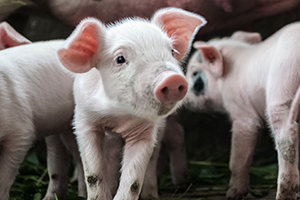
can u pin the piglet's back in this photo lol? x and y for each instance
(33, 84)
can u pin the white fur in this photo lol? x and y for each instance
(32, 84)
(111, 93)
(35, 100)
(119, 98)
(259, 83)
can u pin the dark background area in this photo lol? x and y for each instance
(207, 135)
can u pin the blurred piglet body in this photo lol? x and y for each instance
(253, 81)
(128, 81)
(36, 101)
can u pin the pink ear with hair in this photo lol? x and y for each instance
(179, 25)
(81, 51)
(9, 37)
(212, 57)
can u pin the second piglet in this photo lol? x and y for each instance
(26, 94)
(128, 80)
(254, 81)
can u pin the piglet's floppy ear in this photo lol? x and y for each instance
(179, 25)
(80, 53)
(212, 57)
(9, 37)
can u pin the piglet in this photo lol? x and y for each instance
(36, 101)
(254, 82)
(128, 80)
(59, 144)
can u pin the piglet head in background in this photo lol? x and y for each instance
(206, 68)
(9, 37)
(138, 61)
(202, 95)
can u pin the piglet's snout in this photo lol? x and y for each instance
(170, 87)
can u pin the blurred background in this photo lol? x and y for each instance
(207, 136)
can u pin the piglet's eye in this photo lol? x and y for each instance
(120, 60)
(173, 52)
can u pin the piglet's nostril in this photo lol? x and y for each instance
(171, 87)
(181, 88)
(165, 90)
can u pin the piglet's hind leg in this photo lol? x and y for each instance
(287, 145)
(282, 112)
(70, 142)
(288, 155)
(58, 162)
(13, 148)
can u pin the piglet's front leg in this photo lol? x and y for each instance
(149, 190)
(137, 154)
(90, 141)
(244, 138)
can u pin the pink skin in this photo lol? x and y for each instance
(220, 13)
(9, 37)
(116, 91)
(170, 87)
(253, 81)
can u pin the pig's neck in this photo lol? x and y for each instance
(131, 128)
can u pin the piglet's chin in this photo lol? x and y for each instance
(168, 108)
